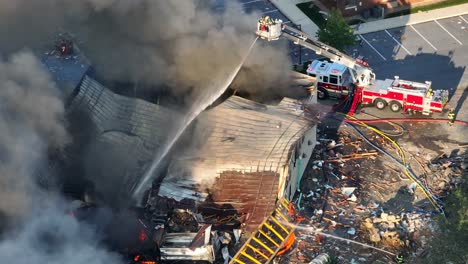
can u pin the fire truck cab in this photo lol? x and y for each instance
(333, 79)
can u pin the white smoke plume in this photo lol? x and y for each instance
(34, 226)
(182, 44)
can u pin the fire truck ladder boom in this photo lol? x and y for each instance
(274, 29)
(305, 40)
(265, 243)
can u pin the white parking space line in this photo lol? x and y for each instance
(271, 11)
(370, 45)
(401, 45)
(437, 22)
(423, 37)
(250, 2)
(463, 19)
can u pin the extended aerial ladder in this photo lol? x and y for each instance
(361, 73)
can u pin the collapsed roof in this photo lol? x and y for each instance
(123, 134)
(242, 135)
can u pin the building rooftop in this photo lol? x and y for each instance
(243, 135)
(123, 132)
(238, 152)
(67, 71)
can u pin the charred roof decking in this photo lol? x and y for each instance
(239, 139)
(247, 146)
(128, 126)
(242, 135)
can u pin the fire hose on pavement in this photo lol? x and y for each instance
(383, 120)
(351, 121)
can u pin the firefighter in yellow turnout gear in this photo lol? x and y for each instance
(451, 117)
(429, 93)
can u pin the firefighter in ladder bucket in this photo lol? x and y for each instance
(265, 23)
(269, 29)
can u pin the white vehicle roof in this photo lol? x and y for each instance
(326, 68)
(396, 84)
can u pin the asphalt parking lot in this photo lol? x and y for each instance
(264, 7)
(445, 36)
(434, 51)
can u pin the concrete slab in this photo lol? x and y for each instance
(437, 36)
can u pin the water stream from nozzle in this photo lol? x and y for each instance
(201, 103)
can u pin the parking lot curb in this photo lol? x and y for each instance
(411, 19)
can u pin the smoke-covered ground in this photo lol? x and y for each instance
(35, 227)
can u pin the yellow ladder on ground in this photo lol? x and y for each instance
(264, 244)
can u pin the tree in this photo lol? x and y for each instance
(336, 32)
(451, 244)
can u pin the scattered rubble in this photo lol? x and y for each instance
(352, 192)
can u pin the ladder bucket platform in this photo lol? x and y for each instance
(276, 231)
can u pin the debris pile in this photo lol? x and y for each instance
(351, 194)
(394, 231)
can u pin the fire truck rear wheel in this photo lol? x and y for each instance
(322, 93)
(380, 103)
(395, 106)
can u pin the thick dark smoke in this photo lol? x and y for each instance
(31, 120)
(50, 236)
(34, 225)
(183, 44)
(178, 43)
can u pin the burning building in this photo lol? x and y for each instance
(236, 160)
(114, 137)
(250, 155)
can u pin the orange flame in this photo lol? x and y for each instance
(142, 236)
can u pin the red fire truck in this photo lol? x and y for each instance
(347, 76)
(409, 96)
(333, 79)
